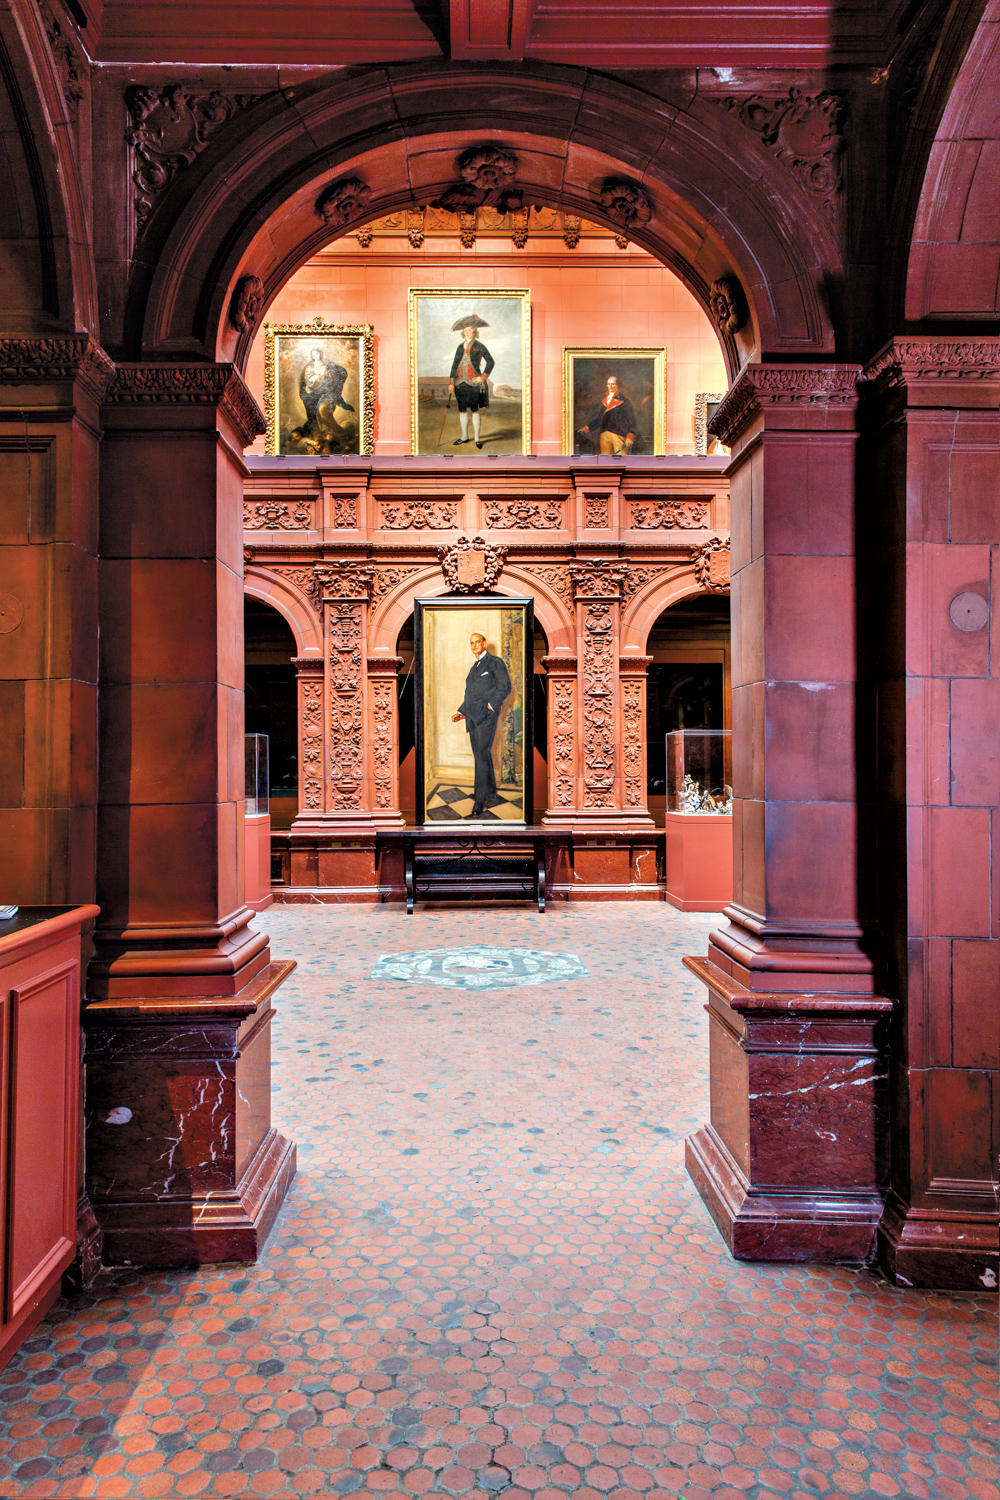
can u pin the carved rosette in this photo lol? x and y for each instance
(670, 515)
(419, 515)
(472, 567)
(522, 515)
(244, 308)
(728, 304)
(712, 565)
(626, 203)
(342, 201)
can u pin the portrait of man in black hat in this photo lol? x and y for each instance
(487, 687)
(467, 382)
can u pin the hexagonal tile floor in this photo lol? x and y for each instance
(493, 1277)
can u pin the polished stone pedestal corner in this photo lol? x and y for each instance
(257, 862)
(792, 1165)
(699, 861)
(183, 1164)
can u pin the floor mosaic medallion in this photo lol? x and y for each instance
(480, 968)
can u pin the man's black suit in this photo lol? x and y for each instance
(486, 687)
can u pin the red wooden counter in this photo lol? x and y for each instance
(39, 1110)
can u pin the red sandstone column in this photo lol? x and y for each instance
(183, 1165)
(933, 481)
(792, 1164)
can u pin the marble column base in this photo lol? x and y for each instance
(924, 1247)
(183, 1166)
(793, 1164)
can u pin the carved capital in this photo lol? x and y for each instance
(308, 666)
(343, 579)
(906, 359)
(76, 357)
(560, 665)
(599, 578)
(384, 666)
(761, 387)
(218, 385)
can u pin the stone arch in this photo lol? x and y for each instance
(953, 270)
(721, 203)
(49, 282)
(391, 614)
(271, 588)
(649, 603)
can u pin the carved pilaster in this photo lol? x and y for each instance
(383, 739)
(562, 737)
(310, 721)
(633, 688)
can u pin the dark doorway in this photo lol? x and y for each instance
(688, 682)
(270, 686)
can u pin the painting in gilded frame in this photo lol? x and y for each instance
(470, 371)
(627, 417)
(319, 388)
(473, 729)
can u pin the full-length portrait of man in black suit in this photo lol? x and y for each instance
(487, 687)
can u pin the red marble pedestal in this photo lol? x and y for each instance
(257, 861)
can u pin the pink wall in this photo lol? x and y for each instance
(596, 296)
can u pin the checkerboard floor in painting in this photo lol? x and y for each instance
(448, 804)
(492, 1276)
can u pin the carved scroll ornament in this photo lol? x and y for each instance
(805, 133)
(472, 567)
(598, 706)
(169, 129)
(420, 515)
(311, 741)
(271, 515)
(522, 515)
(670, 515)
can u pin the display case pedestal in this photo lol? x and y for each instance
(257, 861)
(699, 860)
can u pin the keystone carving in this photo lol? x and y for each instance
(342, 201)
(486, 176)
(625, 203)
(487, 167)
(472, 567)
(244, 309)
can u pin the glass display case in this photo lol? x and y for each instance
(257, 784)
(700, 771)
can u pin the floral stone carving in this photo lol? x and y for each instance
(472, 567)
(271, 515)
(728, 304)
(625, 203)
(244, 309)
(522, 515)
(169, 129)
(342, 201)
(598, 706)
(420, 515)
(670, 515)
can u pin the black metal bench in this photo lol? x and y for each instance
(484, 866)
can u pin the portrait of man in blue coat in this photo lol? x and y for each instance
(487, 687)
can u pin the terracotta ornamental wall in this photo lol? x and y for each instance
(341, 549)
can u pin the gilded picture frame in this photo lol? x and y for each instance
(501, 318)
(473, 700)
(319, 388)
(705, 403)
(642, 381)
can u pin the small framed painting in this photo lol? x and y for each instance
(319, 388)
(471, 665)
(614, 401)
(470, 371)
(706, 404)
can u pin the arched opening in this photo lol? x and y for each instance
(688, 681)
(270, 709)
(407, 745)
